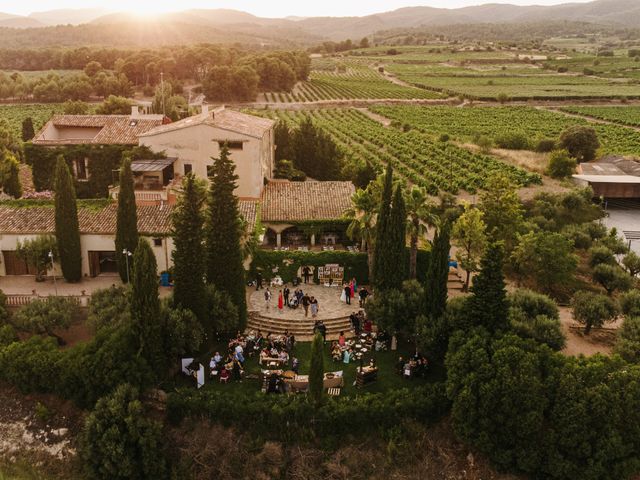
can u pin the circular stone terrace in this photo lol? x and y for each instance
(333, 312)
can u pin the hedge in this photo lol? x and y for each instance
(286, 264)
(102, 161)
(295, 418)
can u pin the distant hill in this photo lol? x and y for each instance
(68, 16)
(224, 25)
(14, 21)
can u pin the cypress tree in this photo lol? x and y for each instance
(438, 274)
(225, 269)
(381, 266)
(145, 305)
(487, 306)
(27, 129)
(67, 228)
(397, 253)
(127, 221)
(316, 370)
(188, 240)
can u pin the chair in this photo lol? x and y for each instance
(333, 392)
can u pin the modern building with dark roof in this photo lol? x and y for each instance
(611, 177)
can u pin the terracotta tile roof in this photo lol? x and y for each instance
(224, 119)
(249, 210)
(41, 219)
(114, 129)
(152, 219)
(284, 201)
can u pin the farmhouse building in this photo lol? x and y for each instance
(294, 214)
(611, 177)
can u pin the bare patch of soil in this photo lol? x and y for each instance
(600, 340)
(39, 430)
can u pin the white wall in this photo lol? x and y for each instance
(104, 243)
(198, 145)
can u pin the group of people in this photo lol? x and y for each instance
(360, 323)
(415, 366)
(293, 300)
(231, 365)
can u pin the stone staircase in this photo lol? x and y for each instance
(301, 328)
(455, 281)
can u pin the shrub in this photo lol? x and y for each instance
(630, 303)
(561, 165)
(120, 441)
(513, 141)
(628, 343)
(581, 142)
(109, 307)
(31, 365)
(369, 413)
(8, 335)
(43, 316)
(593, 310)
(536, 316)
(599, 255)
(545, 145)
(444, 137)
(578, 235)
(612, 278)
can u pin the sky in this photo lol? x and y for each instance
(263, 8)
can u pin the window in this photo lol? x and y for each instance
(157, 242)
(231, 145)
(81, 168)
(187, 168)
(209, 171)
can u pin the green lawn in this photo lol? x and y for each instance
(387, 377)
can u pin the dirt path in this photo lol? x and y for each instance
(589, 118)
(599, 341)
(384, 121)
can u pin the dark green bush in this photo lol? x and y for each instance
(294, 417)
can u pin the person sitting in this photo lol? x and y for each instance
(284, 357)
(264, 354)
(224, 375)
(342, 341)
(295, 365)
(336, 352)
(346, 356)
(400, 365)
(272, 385)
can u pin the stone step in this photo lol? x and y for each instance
(309, 321)
(294, 328)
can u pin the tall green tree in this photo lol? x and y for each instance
(469, 235)
(145, 305)
(315, 152)
(363, 215)
(488, 306)
(282, 138)
(10, 174)
(316, 370)
(419, 215)
(67, 227)
(188, 240)
(27, 129)
(127, 221)
(381, 262)
(435, 288)
(225, 269)
(503, 211)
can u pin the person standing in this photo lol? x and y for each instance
(287, 292)
(322, 328)
(352, 291)
(314, 307)
(258, 281)
(306, 273)
(347, 293)
(280, 301)
(363, 294)
(305, 304)
(267, 298)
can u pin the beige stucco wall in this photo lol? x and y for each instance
(105, 243)
(198, 145)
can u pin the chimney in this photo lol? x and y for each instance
(205, 108)
(134, 111)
